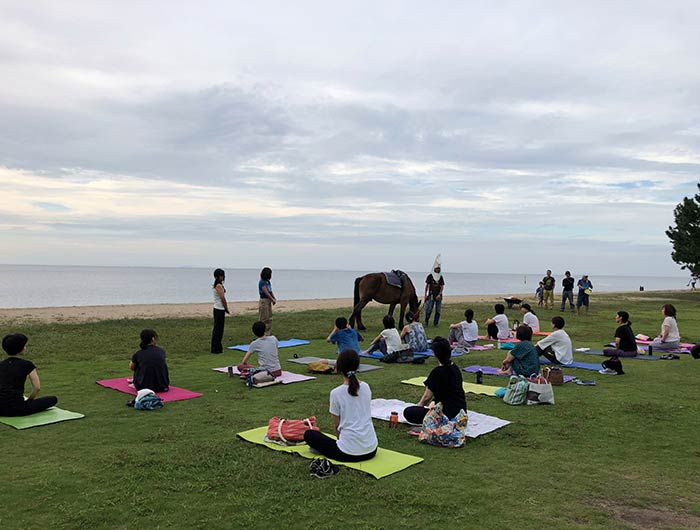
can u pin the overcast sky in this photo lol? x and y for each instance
(509, 136)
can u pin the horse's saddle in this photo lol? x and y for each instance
(395, 278)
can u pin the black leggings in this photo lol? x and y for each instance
(547, 354)
(492, 331)
(218, 332)
(30, 406)
(328, 447)
(415, 414)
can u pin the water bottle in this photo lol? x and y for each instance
(394, 420)
(230, 371)
(479, 377)
(651, 349)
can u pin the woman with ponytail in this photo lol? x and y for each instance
(148, 364)
(350, 409)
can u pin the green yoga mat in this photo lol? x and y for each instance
(385, 463)
(486, 390)
(52, 415)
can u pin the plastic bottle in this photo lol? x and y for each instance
(394, 420)
(479, 377)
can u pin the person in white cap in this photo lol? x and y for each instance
(434, 285)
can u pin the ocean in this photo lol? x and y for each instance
(56, 286)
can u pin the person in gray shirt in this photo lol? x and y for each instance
(267, 349)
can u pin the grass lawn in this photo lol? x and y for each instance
(622, 454)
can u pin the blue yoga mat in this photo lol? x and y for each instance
(378, 356)
(575, 364)
(641, 357)
(282, 344)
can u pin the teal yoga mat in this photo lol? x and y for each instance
(52, 415)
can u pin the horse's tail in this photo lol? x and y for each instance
(356, 298)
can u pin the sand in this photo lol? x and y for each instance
(78, 314)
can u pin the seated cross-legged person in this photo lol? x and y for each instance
(625, 341)
(266, 346)
(523, 359)
(497, 327)
(413, 333)
(14, 371)
(389, 340)
(530, 318)
(557, 346)
(443, 385)
(465, 333)
(148, 364)
(670, 337)
(344, 336)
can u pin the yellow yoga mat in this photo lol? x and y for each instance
(52, 415)
(486, 390)
(385, 462)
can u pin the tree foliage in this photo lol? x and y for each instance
(685, 236)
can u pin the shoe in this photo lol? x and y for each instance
(322, 468)
(608, 371)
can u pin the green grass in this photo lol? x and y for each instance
(623, 454)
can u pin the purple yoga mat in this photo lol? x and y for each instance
(491, 370)
(286, 377)
(174, 394)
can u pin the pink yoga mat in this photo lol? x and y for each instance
(174, 394)
(686, 345)
(484, 337)
(286, 377)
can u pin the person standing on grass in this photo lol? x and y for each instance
(549, 282)
(148, 364)
(670, 337)
(497, 327)
(557, 346)
(567, 292)
(443, 385)
(434, 285)
(220, 311)
(13, 375)
(350, 409)
(585, 287)
(267, 299)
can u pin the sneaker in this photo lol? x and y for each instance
(323, 468)
(608, 371)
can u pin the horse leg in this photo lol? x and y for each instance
(357, 314)
(391, 310)
(401, 314)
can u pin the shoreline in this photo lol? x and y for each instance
(84, 314)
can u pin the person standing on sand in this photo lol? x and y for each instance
(267, 299)
(567, 292)
(549, 283)
(220, 310)
(434, 285)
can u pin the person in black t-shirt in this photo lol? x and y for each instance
(625, 341)
(549, 283)
(148, 364)
(13, 374)
(567, 292)
(434, 285)
(443, 385)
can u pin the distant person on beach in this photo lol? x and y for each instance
(497, 328)
(443, 385)
(530, 318)
(549, 283)
(523, 359)
(220, 311)
(344, 336)
(539, 292)
(692, 282)
(413, 333)
(148, 364)
(389, 340)
(465, 333)
(557, 346)
(434, 286)
(14, 371)
(585, 287)
(670, 337)
(267, 349)
(567, 292)
(267, 299)
(350, 408)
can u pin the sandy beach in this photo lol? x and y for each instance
(77, 314)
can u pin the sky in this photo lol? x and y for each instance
(507, 136)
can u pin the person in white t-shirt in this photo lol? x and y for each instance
(389, 340)
(497, 327)
(465, 333)
(557, 346)
(530, 318)
(352, 417)
(670, 337)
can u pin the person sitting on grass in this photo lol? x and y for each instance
(266, 346)
(352, 417)
(557, 346)
(413, 333)
(670, 337)
(389, 340)
(625, 342)
(497, 327)
(13, 375)
(148, 364)
(344, 336)
(523, 359)
(530, 318)
(465, 333)
(695, 351)
(443, 385)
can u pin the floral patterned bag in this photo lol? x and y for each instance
(439, 430)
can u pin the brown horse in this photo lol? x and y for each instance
(373, 286)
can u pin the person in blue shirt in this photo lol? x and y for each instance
(267, 299)
(344, 336)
